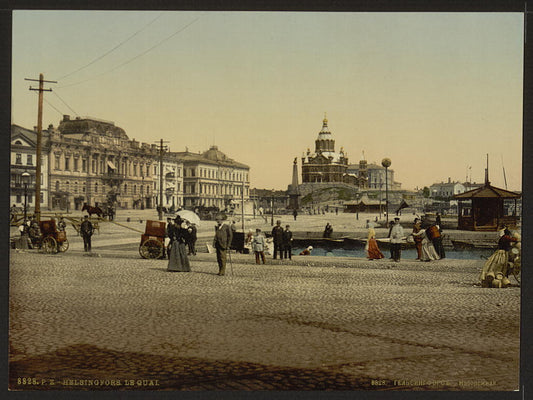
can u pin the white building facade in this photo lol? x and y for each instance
(446, 189)
(23, 158)
(211, 179)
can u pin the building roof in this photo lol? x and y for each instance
(212, 156)
(90, 125)
(336, 157)
(324, 133)
(488, 191)
(29, 135)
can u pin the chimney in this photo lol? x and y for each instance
(66, 117)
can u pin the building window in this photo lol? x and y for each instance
(57, 186)
(19, 198)
(75, 187)
(155, 169)
(67, 163)
(84, 165)
(134, 189)
(93, 166)
(18, 159)
(29, 159)
(96, 187)
(56, 164)
(67, 186)
(75, 164)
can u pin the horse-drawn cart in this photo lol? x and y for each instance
(52, 241)
(153, 240)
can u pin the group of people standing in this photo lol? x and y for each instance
(281, 238)
(428, 242)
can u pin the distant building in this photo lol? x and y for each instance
(212, 179)
(374, 175)
(325, 164)
(172, 182)
(446, 190)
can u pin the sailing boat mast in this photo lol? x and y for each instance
(487, 183)
(504, 177)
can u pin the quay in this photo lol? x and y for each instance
(313, 323)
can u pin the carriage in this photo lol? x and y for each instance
(153, 240)
(51, 240)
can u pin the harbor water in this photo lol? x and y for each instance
(472, 254)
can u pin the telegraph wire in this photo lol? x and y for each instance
(137, 56)
(113, 49)
(51, 105)
(65, 103)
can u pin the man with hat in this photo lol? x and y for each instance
(222, 242)
(287, 243)
(277, 236)
(86, 230)
(396, 238)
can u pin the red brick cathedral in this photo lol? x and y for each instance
(324, 165)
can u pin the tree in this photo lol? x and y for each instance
(425, 191)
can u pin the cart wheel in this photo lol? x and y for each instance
(151, 248)
(49, 245)
(63, 246)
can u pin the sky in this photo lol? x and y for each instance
(434, 92)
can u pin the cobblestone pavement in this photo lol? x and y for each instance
(114, 321)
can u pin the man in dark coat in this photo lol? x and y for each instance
(277, 236)
(191, 239)
(86, 231)
(222, 242)
(287, 242)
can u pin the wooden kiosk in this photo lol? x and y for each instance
(487, 208)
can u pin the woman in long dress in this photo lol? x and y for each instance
(372, 249)
(178, 260)
(428, 252)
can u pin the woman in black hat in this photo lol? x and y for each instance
(178, 260)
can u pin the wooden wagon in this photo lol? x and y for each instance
(52, 241)
(153, 240)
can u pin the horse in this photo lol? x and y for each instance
(92, 210)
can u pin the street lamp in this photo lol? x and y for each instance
(25, 181)
(386, 162)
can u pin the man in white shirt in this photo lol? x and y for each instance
(396, 239)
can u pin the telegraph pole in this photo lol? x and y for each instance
(39, 142)
(161, 152)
